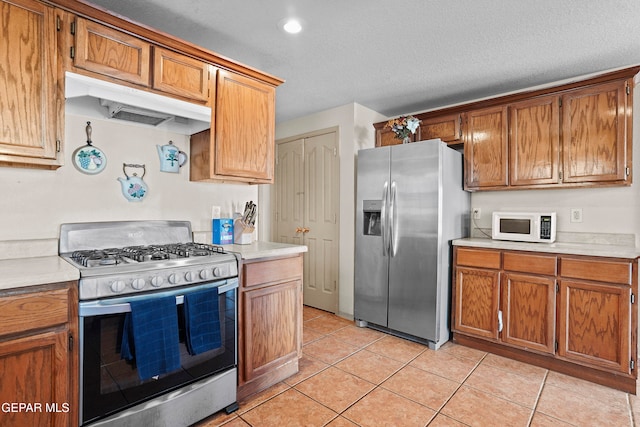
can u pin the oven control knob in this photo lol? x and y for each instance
(188, 276)
(217, 272)
(137, 284)
(205, 274)
(156, 281)
(117, 286)
(174, 278)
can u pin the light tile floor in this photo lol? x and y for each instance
(352, 376)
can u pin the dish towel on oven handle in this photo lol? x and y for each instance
(150, 336)
(202, 321)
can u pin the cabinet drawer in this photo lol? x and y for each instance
(20, 313)
(601, 270)
(483, 258)
(272, 271)
(530, 263)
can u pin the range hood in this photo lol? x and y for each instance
(101, 99)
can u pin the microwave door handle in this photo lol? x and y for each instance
(383, 218)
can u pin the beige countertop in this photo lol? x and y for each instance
(590, 249)
(21, 272)
(260, 249)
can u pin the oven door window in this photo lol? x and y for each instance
(111, 384)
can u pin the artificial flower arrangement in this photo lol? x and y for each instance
(403, 126)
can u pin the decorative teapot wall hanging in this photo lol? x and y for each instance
(133, 187)
(171, 157)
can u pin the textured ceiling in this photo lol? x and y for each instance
(406, 55)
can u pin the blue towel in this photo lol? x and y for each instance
(202, 321)
(150, 336)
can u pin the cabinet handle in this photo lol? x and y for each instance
(305, 230)
(500, 325)
(70, 342)
(298, 230)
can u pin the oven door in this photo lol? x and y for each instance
(110, 384)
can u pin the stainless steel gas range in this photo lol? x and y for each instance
(148, 278)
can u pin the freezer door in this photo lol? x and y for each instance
(413, 265)
(371, 259)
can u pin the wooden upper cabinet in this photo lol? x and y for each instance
(594, 127)
(29, 134)
(245, 127)
(180, 75)
(112, 53)
(486, 148)
(448, 128)
(534, 141)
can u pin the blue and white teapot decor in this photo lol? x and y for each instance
(133, 187)
(171, 157)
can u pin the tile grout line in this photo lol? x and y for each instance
(535, 406)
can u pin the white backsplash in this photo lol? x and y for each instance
(35, 202)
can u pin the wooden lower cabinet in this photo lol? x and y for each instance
(270, 322)
(572, 314)
(38, 356)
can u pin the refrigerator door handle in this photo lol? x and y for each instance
(393, 221)
(383, 218)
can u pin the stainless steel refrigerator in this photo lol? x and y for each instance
(410, 205)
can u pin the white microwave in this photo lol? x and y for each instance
(524, 226)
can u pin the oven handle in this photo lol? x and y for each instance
(121, 305)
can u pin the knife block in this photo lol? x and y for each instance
(242, 233)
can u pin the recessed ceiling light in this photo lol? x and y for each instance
(291, 25)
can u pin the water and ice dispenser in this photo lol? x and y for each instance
(371, 211)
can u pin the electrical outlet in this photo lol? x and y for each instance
(476, 213)
(575, 215)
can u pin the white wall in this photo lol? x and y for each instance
(35, 202)
(614, 210)
(355, 131)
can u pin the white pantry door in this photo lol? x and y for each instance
(306, 211)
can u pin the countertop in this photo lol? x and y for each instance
(589, 249)
(261, 249)
(21, 272)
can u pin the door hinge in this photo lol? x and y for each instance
(70, 342)
(627, 172)
(628, 89)
(555, 346)
(72, 28)
(632, 364)
(335, 218)
(58, 146)
(335, 151)
(560, 175)
(557, 288)
(460, 126)
(58, 23)
(633, 298)
(559, 102)
(72, 52)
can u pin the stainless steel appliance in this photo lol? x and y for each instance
(524, 226)
(410, 205)
(127, 261)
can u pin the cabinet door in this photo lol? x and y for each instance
(245, 127)
(112, 53)
(485, 148)
(594, 133)
(534, 128)
(447, 128)
(528, 310)
(476, 302)
(35, 370)
(271, 333)
(180, 75)
(594, 324)
(28, 64)
(386, 136)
